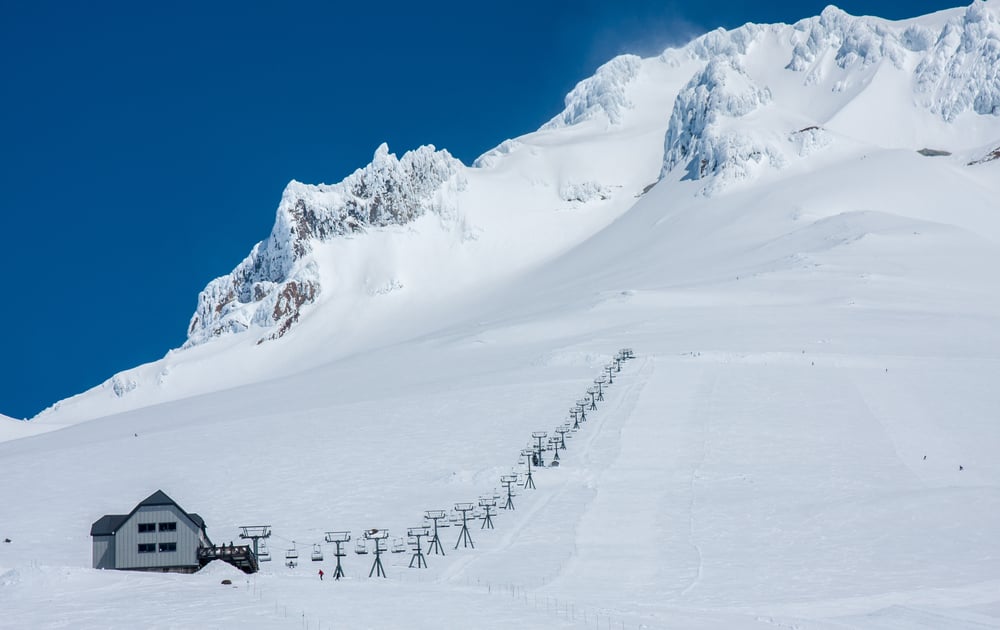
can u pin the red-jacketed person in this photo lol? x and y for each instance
(321, 574)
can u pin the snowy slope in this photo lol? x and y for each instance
(814, 308)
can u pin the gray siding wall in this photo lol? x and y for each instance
(104, 552)
(128, 538)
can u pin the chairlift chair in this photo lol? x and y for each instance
(263, 555)
(361, 547)
(317, 553)
(292, 554)
(398, 545)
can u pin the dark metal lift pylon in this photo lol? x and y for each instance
(528, 481)
(338, 538)
(377, 535)
(435, 516)
(508, 482)
(488, 505)
(417, 533)
(464, 536)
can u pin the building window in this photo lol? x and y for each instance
(168, 527)
(168, 546)
(147, 527)
(147, 547)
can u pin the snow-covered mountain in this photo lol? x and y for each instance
(797, 228)
(759, 97)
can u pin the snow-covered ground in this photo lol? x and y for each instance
(817, 340)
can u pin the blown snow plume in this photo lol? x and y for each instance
(269, 289)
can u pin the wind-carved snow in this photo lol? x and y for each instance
(858, 41)
(723, 43)
(957, 69)
(961, 71)
(493, 156)
(603, 93)
(810, 140)
(121, 384)
(269, 289)
(701, 135)
(584, 191)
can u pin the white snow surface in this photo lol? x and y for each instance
(807, 437)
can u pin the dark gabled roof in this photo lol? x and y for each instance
(157, 498)
(108, 524)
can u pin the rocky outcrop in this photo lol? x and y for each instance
(270, 288)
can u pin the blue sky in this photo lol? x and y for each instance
(145, 145)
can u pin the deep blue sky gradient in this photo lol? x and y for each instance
(144, 146)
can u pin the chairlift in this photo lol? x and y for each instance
(317, 553)
(263, 555)
(398, 545)
(292, 554)
(361, 547)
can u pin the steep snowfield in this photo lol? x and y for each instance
(818, 341)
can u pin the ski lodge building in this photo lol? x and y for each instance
(158, 535)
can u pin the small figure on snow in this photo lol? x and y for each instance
(925, 458)
(961, 468)
(321, 575)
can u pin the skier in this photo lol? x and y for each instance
(321, 575)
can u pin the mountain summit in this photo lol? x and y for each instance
(755, 99)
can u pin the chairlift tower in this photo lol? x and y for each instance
(600, 381)
(618, 362)
(339, 539)
(379, 536)
(540, 435)
(416, 533)
(553, 445)
(489, 505)
(581, 405)
(562, 431)
(464, 537)
(527, 454)
(610, 369)
(435, 516)
(592, 392)
(576, 418)
(255, 533)
(508, 482)
(628, 353)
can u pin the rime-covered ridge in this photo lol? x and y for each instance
(725, 125)
(271, 286)
(956, 71)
